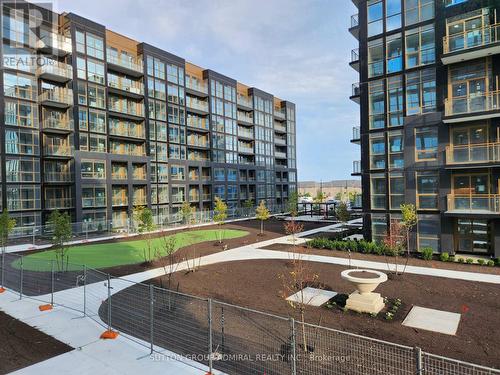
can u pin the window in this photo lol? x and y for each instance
(23, 197)
(19, 86)
(469, 144)
(97, 143)
(394, 53)
(395, 100)
(396, 147)
(428, 230)
(376, 104)
(95, 46)
(219, 174)
(420, 92)
(379, 227)
(93, 196)
(96, 96)
(95, 71)
(95, 169)
(377, 151)
(80, 41)
(418, 11)
(22, 142)
(375, 17)
(393, 14)
(177, 173)
(396, 190)
(426, 144)
(427, 190)
(19, 113)
(375, 58)
(22, 170)
(378, 190)
(97, 121)
(81, 68)
(172, 73)
(420, 46)
(82, 92)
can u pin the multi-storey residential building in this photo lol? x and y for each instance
(429, 96)
(96, 123)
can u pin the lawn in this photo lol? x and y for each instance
(113, 254)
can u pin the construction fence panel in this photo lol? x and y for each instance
(435, 364)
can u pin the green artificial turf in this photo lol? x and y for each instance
(117, 253)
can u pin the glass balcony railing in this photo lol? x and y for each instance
(199, 123)
(356, 90)
(245, 133)
(57, 42)
(133, 109)
(279, 154)
(206, 196)
(479, 37)
(244, 117)
(126, 130)
(139, 201)
(177, 198)
(197, 85)
(197, 142)
(355, 55)
(60, 95)
(119, 201)
(476, 203)
(356, 133)
(56, 69)
(119, 175)
(280, 141)
(356, 167)
(198, 104)
(473, 153)
(58, 124)
(279, 127)
(127, 85)
(194, 197)
(57, 177)
(93, 202)
(354, 20)
(58, 150)
(477, 102)
(125, 61)
(245, 101)
(279, 113)
(58, 203)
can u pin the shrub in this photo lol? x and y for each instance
(452, 258)
(481, 262)
(497, 261)
(490, 263)
(427, 253)
(461, 260)
(445, 257)
(469, 260)
(379, 249)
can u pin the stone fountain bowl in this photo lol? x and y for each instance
(366, 281)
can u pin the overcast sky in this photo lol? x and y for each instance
(295, 49)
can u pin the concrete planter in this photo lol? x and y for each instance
(365, 281)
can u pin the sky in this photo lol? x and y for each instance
(297, 50)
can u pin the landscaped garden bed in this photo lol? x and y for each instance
(255, 284)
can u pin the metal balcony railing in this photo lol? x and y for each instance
(355, 55)
(356, 167)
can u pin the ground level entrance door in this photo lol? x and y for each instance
(472, 236)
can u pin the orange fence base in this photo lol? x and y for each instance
(109, 335)
(2, 290)
(45, 307)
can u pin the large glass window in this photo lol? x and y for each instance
(377, 151)
(394, 53)
(378, 191)
(427, 190)
(95, 46)
(428, 230)
(418, 11)
(426, 143)
(396, 190)
(377, 104)
(375, 17)
(393, 14)
(420, 46)
(420, 92)
(395, 100)
(375, 58)
(396, 147)
(379, 227)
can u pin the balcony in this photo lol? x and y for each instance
(197, 142)
(280, 141)
(139, 201)
(57, 177)
(58, 203)
(481, 153)
(244, 118)
(354, 63)
(356, 92)
(177, 198)
(206, 196)
(58, 150)
(488, 204)
(279, 114)
(124, 64)
(88, 202)
(59, 97)
(279, 155)
(55, 71)
(194, 197)
(54, 44)
(354, 29)
(243, 133)
(119, 174)
(244, 102)
(139, 175)
(356, 135)
(245, 149)
(198, 123)
(135, 110)
(471, 44)
(198, 105)
(356, 168)
(119, 201)
(478, 106)
(121, 129)
(126, 87)
(197, 87)
(58, 125)
(279, 128)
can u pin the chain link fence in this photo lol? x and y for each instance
(225, 337)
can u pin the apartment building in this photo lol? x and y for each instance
(96, 123)
(429, 130)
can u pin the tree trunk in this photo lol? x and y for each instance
(261, 227)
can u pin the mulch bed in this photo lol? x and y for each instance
(413, 261)
(255, 284)
(22, 345)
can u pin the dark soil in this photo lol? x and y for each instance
(22, 345)
(412, 261)
(255, 284)
(364, 275)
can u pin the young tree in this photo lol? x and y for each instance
(187, 213)
(343, 214)
(293, 204)
(320, 197)
(408, 221)
(394, 242)
(6, 226)
(166, 257)
(220, 216)
(62, 231)
(248, 205)
(143, 216)
(262, 214)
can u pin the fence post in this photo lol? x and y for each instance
(151, 315)
(52, 282)
(3, 269)
(34, 234)
(109, 302)
(418, 360)
(21, 280)
(293, 346)
(210, 365)
(84, 290)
